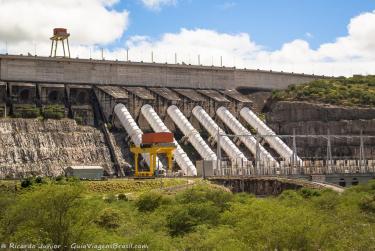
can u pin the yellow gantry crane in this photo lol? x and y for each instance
(154, 144)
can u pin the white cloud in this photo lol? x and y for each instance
(157, 4)
(89, 21)
(352, 54)
(359, 43)
(190, 43)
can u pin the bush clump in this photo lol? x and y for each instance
(150, 201)
(79, 120)
(26, 111)
(308, 193)
(28, 182)
(109, 219)
(59, 178)
(354, 91)
(110, 198)
(202, 217)
(122, 197)
(39, 180)
(53, 112)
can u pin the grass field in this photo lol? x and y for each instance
(111, 186)
(131, 185)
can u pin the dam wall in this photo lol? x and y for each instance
(103, 72)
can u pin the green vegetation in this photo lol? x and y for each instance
(26, 111)
(127, 186)
(200, 218)
(354, 91)
(31, 111)
(54, 112)
(79, 120)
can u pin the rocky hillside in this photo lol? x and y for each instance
(32, 146)
(317, 118)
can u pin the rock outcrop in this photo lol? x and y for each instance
(46, 147)
(311, 118)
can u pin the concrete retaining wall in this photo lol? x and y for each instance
(84, 71)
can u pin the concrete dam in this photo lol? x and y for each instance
(102, 107)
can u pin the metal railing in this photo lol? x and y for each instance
(323, 164)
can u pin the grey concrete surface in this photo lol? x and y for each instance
(86, 71)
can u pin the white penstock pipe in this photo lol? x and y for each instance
(157, 125)
(133, 131)
(189, 131)
(213, 129)
(249, 141)
(274, 141)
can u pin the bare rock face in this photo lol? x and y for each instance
(46, 147)
(259, 100)
(311, 118)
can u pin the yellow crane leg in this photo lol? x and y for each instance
(170, 159)
(136, 163)
(153, 151)
(153, 167)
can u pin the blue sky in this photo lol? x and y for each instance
(270, 23)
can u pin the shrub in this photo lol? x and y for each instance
(54, 112)
(328, 200)
(148, 202)
(27, 182)
(109, 219)
(110, 198)
(72, 179)
(183, 218)
(39, 180)
(59, 178)
(202, 194)
(180, 222)
(367, 204)
(52, 115)
(122, 196)
(307, 193)
(26, 111)
(357, 90)
(79, 120)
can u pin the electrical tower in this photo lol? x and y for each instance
(59, 34)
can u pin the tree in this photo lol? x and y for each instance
(149, 201)
(50, 214)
